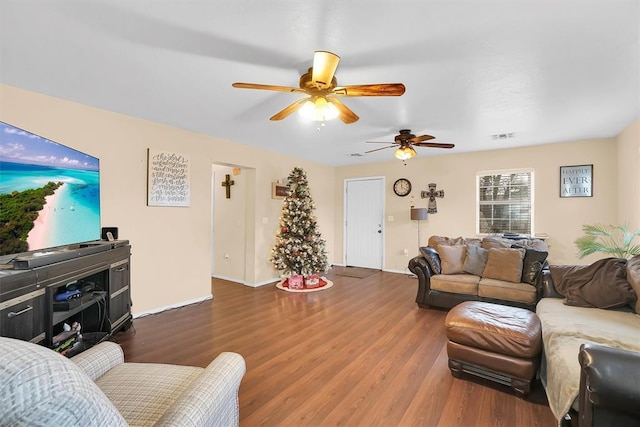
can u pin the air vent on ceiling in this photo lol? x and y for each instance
(503, 135)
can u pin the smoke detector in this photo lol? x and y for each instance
(503, 135)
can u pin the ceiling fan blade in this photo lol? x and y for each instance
(324, 67)
(346, 115)
(289, 109)
(378, 149)
(382, 89)
(379, 142)
(421, 138)
(434, 144)
(266, 87)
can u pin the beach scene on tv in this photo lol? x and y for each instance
(49, 193)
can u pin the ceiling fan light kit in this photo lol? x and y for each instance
(319, 110)
(405, 152)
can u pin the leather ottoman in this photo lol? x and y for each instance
(495, 342)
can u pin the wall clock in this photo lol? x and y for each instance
(402, 187)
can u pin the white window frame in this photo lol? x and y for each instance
(505, 172)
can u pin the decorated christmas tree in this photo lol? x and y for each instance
(299, 248)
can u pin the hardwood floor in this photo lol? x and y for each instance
(358, 354)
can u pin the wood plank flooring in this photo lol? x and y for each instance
(358, 354)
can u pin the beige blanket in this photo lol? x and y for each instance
(564, 328)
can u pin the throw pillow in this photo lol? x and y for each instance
(537, 244)
(472, 241)
(504, 264)
(475, 260)
(432, 258)
(532, 264)
(434, 241)
(452, 258)
(602, 284)
(633, 277)
(490, 242)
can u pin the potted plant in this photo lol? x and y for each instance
(615, 240)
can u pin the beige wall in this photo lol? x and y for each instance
(560, 218)
(629, 176)
(171, 247)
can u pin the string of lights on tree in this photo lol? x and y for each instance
(299, 247)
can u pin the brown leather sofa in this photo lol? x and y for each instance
(609, 394)
(447, 292)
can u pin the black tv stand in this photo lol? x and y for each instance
(62, 253)
(100, 269)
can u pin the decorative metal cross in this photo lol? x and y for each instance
(431, 195)
(227, 183)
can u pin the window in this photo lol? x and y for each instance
(505, 202)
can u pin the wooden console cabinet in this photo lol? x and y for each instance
(28, 307)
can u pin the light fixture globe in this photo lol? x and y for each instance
(404, 152)
(319, 110)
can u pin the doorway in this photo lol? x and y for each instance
(228, 222)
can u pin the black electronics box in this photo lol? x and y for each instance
(75, 302)
(66, 305)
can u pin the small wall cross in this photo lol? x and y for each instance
(227, 183)
(431, 195)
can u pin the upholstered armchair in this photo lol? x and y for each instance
(96, 388)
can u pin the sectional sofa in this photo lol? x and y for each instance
(577, 305)
(591, 304)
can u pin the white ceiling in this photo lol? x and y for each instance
(547, 71)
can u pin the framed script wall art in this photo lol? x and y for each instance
(576, 181)
(168, 178)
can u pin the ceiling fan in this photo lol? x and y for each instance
(405, 141)
(322, 90)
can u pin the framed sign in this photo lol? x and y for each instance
(576, 181)
(168, 178)
(279, 191)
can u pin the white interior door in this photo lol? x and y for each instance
(364, 222)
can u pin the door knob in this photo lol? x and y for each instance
(379, 231)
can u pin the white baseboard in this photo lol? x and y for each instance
(388, 270)
(263, 283)
(171, 306)
(242, 282)
(391, 270)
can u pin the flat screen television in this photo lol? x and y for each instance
(49, 193)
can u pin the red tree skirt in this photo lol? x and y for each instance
(324, 284)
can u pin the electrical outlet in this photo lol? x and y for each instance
(405, 252)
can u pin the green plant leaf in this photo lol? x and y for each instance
(615, 240)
